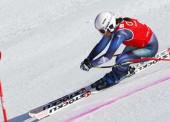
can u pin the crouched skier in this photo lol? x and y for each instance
(138, 38)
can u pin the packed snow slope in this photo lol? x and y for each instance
(43, 43)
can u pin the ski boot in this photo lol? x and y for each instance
(131, 71)
(100, 84)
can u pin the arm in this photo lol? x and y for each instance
(117, 40)
(99, 47)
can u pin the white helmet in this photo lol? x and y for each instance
(105, 21)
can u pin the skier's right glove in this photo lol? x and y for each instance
(86, 65)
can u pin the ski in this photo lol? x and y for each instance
(137, 67)
(84, 93)
(52, 107)
(56, 105)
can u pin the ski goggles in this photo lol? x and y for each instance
(110, 28)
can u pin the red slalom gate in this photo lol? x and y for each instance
(2, 100)
(2, 104)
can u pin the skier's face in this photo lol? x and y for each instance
(108, 33)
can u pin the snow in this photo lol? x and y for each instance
(43, 43)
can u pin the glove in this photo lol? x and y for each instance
(86, 65)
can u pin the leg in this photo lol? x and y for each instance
(128, 54)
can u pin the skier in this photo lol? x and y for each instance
(138, 38)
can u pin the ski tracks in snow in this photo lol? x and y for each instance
(114, 99)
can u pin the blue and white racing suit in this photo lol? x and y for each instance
(129, 53)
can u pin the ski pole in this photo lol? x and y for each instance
(133, 61)
(116, 65)
(148, 59)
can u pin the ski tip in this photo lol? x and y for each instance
(31, 114)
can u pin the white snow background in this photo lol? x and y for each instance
(43, 43)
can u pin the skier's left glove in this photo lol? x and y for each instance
(86, 65)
